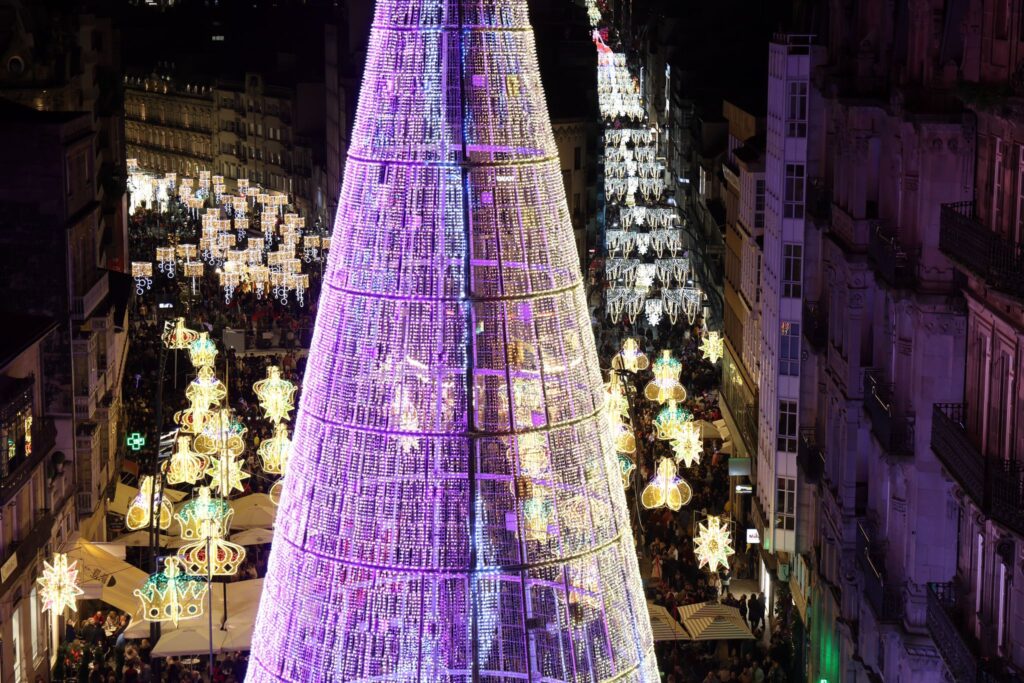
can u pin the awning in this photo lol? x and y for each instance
(124, 495)
(664, 626)
(707, 430)
(105, 577)
(254, 536)
(726, 448)
(253, 511)
(717, 628)
(140, 539)
(188, 642)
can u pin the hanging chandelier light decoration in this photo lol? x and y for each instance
(185, 466)
(58, 586)
(665, 386)
(670, 420)
(172, 594)
(666, 489)
(630, 358)
(276, 395)
(203, 352)
(712, 347)
(165, 261)
(147, 500)
(142, 272)
(192, 420)
(713, 543)
(687, 444)
(176, 336)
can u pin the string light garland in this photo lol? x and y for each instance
(172, 594)
(666, 489)
(713, 346)
(713, 544)
(58, 586)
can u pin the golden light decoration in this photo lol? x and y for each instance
(687, 444)
(712, 347)
(226, 474)
(203, 508)
(618, 403)
(666, 489)
(226, 557)
(670, 420)
(621, 434)
(277, 395)
(172, 594)
(274, 451)
(221, 434)
(630, 358)
(138, 514)
(192, 420)
(626, 468)
(177, 337)
(203, 352)
(185, 466)
(665, 386)
(58, 586)
(206, 390)
(713, 544)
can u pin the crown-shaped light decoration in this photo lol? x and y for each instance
(630, 358)
(58, 586)
(185, 466)
(713, 544)
(227, 557)
(203, 352)
(687, 444)
(203, 508)
(192, 420)
(178, 337)
(626, 467)
(274, 451)
(670, 420)
(666, 489)
(277, 395)
(712, 347)
(172, 594)
(206, 390)
(138, 514)
(665, 386)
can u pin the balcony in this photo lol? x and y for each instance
(894, 264)
(809, 458)
(995, 485)
(815, 321)
(852, 233)
(957, 650)
(16, 472)
(885, 601)
(894, 432)
(965, 240)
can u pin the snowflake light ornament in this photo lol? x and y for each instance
(712, 347)
(58, 586)
(687, 444)
(713, 544)
(226, 474)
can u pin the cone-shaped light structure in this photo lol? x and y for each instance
(453, 509)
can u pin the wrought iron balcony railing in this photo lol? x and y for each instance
(894, 264)
(815, 320)
(959, 652)
(809, 457)
(886, 601)
(968, 242)
(894, 432)
(995, 485)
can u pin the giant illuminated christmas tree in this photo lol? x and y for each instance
(453, 509)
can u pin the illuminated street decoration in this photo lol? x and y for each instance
(666, 489)
(630, 358)
(226, 557)
(138, 514)
(185, 466)
(626, 466)
(665, 386)
(277, 395)
(203, 508)
(712, 347)
(221, 434)
(142, 272)
(713, 544)
(206, 390)
(226, 474)
(274, 451)
(203, 352)
(58, 586)
(412, 506)
(178, 337)
(687, 444)
(172, 594)
(135, 441)
(671, 420)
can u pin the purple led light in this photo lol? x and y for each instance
(453, 508)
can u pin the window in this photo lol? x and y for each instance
(787, 427)
(789, 349)
(785, 503)
(794, 199)
(33, 618)
(1018, 235)
(796, 119)
(759, 205)
(1004, 608)
(577, 158)
(979, 566)
(1002, 19)
(997, 184)
(792, 270)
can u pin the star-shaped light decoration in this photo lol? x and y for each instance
(58, 586)
(666, 489)
(277, 395)
(670, 420)
(630, 358)
(713, 544)
(185, 466)
(665, 386)
(226, 474)
(687, 444)
(712, 347)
